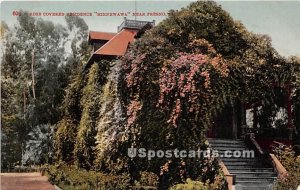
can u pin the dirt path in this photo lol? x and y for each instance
(24, 181)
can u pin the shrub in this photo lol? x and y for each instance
(72, 178)
(219, 184)
(291, 162)
(190, 185)
(148, 179)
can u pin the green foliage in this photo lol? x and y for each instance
(174, 81)
(151, 130)
(296, 97)
(72, 178)
(11, 148)
(190, 185)
(25, 112)
(182, 74)
(79, 44)
(75, 134)
(32, 105)
(291, 162)
(85, 140)
(148, 179)
(204, 20)
(219, 184)
(65, 138)
(250, 55)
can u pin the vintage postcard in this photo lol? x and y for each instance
(142, 94)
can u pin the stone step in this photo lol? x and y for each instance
(240, 159)
(233, 146)
(254, 187)
(250, 184)
(233, 154)
(225, 141)
(242, 163)
(251, 169)
(229, 148)
(250, 172)
(257, 179)
(242, 167)
(222, 141)
(222, 150)
(254, 174)
(254, 183)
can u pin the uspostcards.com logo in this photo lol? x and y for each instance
(150, 154)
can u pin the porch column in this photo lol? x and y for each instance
(243, 119)
(234, 120)
(255, 116)
(289, 111)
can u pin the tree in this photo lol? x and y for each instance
(77, 42)
(37, 73)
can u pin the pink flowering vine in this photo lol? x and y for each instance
(135, 68)
(185, 80)
(132, 111)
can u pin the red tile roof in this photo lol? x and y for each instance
(117, 45)
(101, 35)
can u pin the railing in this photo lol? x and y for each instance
(135, 24)
(281, 171)
(278, 133)
(267, 158)
(230, 178)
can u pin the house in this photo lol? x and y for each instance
(234, 129)
(106, 45)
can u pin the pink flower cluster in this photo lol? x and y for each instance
(132, 110)
(185, 80)
(135, 68)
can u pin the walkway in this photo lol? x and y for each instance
(24, 181)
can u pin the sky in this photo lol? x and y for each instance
(279, 19)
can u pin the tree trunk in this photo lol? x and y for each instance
(32, 73)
